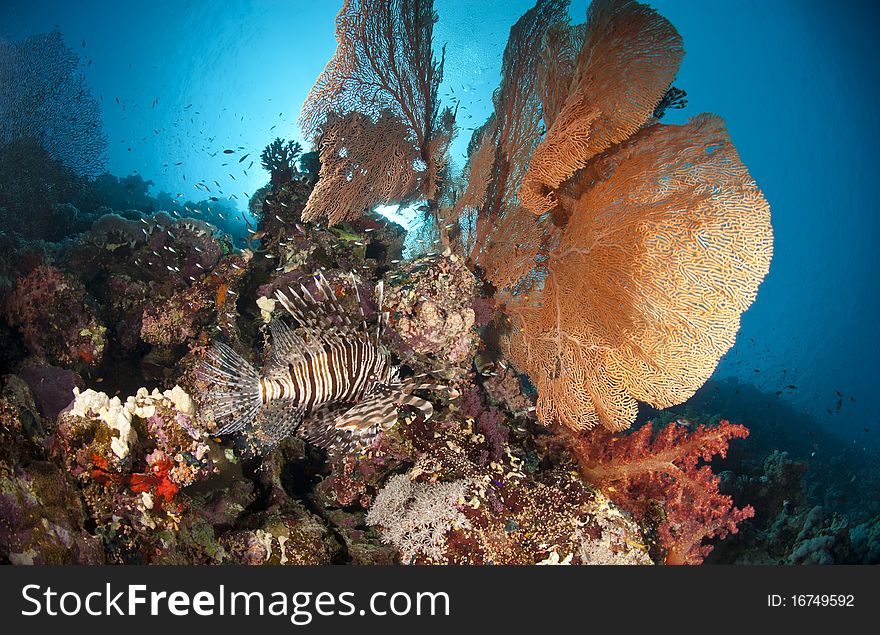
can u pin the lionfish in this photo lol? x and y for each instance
(332, 383)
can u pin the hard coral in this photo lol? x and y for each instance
(429, 301)
(41, 513)
(279, 159)
(641, 470)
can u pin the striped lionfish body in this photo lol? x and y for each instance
(332, 382)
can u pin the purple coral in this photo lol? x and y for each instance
(491, 424)
(55, 318)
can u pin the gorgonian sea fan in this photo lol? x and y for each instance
(506, 236)
(629, 55)
(363, 163)
(667, 240)
(383, 73)
(625, 254)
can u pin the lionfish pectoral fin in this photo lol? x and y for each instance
(424, 406)
(377, 412)
(404, 395)
(319, 429)
(278, 420)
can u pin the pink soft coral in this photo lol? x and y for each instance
(641, 469)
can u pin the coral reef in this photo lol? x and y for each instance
(468, 497)
(56, 318)
(41, 512)
(790, 526)
(590, 258)
(429, 303)
(279, 159)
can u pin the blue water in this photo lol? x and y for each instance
(795, 81)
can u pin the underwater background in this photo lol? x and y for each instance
(795, 81)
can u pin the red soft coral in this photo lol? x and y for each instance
(156, 480)
(640, 470)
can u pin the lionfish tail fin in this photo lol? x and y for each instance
(235, 394)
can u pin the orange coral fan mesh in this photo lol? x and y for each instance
(557, 69)
(515, 133)
(363, 164)
(437, 154)
(372, 68)
(384, 63)
(667, 242)
(473, 186)
(629, 57)
(479, 172)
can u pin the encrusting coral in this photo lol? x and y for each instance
(56, 318)
(429, 302)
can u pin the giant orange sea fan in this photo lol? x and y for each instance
(505, 150)
(628, 57)
(667, 240)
